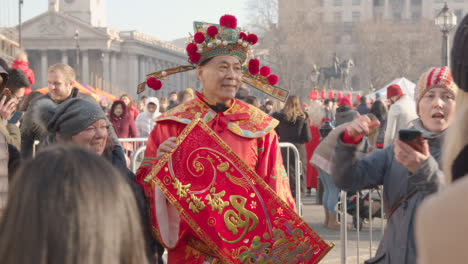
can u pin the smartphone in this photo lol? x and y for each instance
(15, 117)
(412, 137)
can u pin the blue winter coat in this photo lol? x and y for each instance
(351, 173)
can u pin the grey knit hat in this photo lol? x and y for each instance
(68, 118)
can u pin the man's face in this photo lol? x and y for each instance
(173, 97)
(268, 107)
(221, 78)
(93, 138)
(59, 87)
(151, 108)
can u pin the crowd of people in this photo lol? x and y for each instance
(73, 198)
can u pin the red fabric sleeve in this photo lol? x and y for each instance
(347, 139)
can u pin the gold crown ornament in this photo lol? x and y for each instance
(226, 38)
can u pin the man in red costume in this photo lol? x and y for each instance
(247, 130)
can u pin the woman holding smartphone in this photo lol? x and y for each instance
(408, 175)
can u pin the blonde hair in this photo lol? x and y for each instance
(67, 71)
(292, 109)
(316, 113)
(455, 139)
(21, 56)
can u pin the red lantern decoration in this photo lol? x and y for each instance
(313, 95)
(331, 95)
(323, 94)
(358, 97)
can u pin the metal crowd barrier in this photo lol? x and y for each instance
(342, 217)
(289, 147)
(138, 150)
(297, 165)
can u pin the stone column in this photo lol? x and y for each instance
(407, 10)
(85, 67)
(141, 68)
(113, 77)
(386, 12)
(44, 67)
(65, 57)
(106, 70)
(133, 78)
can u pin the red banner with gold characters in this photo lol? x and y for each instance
(228, 206)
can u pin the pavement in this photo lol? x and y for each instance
(313, 215)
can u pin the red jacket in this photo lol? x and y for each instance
(133, 112)
(124, 125)
(24, 67)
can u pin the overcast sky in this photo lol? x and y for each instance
(163, 19)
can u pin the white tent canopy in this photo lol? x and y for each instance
(406, 86)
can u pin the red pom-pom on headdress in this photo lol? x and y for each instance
(252, 39)
(265, 71)
(191, 48)
(242, 36)
(195, 57)
(199, 37)
(212, 31)
(154, 83)
(254, 66)
(228, 21)
(272, 79)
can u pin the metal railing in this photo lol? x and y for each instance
(138, 150)
(342, 218)
(288, 146)
(297, 165)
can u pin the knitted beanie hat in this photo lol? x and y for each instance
(68, 118)
(434, 78)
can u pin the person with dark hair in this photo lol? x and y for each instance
(123, 123)
(267, 107)
(70, 206)
(379, 110)
(130, 106)
(253, 100)
(17, 82)
(441, 227)
(294, 128)
(173, 100)
(408, 173)
(328, 108)
(362, 107)
(21, 63)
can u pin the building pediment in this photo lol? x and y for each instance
(54, 25)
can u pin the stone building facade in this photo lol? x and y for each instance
(74, 32)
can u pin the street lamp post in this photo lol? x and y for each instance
(20, 5)
(446, 20)
(76, 37)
